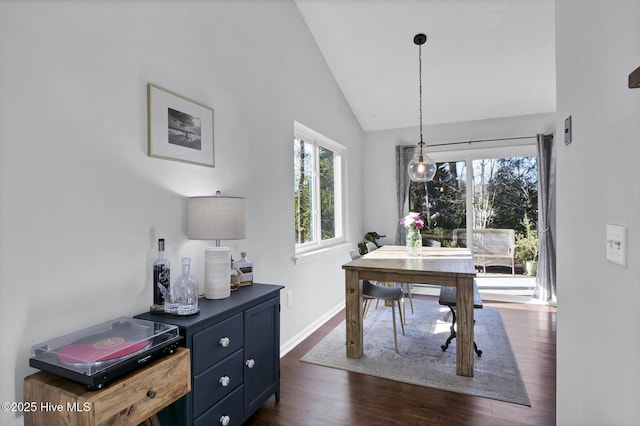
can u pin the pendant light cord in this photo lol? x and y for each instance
(420, 87)
(421, 168)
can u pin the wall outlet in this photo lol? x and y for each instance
(290, 298)
(617, 244)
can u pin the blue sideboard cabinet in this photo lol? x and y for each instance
(235, 357)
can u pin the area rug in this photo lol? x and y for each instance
(421, 360)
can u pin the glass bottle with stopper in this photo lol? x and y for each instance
(184, 292)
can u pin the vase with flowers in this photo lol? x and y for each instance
(413, 224)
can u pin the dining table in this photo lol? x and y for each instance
(438, 266)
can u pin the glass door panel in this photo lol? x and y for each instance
(441, 202)
(505, 190)
(505, 196)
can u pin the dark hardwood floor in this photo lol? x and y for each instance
(315, 395)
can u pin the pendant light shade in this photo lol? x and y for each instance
(421, 168)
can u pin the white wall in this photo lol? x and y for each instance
(381, 213)
(598, 183)
(81, 204)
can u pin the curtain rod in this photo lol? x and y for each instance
(480, 140)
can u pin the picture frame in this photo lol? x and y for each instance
(179, 128)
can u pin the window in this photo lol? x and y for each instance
(317, 190)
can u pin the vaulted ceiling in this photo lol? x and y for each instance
(482, 59)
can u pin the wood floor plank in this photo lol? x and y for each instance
(315, 395)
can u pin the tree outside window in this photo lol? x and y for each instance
(303, 156)
(441, 202)
(505, 192)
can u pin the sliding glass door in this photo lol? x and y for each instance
(478, 192)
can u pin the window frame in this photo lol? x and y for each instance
(317, 140)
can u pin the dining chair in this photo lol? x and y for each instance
(370, 247)
(406, 287)
(393, 294)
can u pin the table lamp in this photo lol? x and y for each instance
(217, 218)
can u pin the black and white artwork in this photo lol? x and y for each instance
(184, 129)
(179, 128)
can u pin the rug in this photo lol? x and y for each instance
(421, 360)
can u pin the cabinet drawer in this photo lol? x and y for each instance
(128, 400)
(211, 345)
(210, 387)
(230, 406)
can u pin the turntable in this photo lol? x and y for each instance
(97, 355)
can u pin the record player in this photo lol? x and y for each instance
(97, 355)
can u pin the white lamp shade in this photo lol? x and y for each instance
(216, 218)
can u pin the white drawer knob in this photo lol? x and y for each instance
(224, 341)
(250, 363)
(225, 380)
(225, 420)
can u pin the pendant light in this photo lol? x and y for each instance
(421, 168)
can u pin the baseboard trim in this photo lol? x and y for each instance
(306, 332)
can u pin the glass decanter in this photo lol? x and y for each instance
(184, 293)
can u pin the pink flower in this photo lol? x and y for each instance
(412, 220)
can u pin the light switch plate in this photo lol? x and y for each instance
(617, 244)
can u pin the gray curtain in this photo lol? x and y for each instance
(546, 276)
(404, 154)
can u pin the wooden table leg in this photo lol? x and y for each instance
(353, 312)
(464, 308)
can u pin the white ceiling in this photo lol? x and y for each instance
(482, 59)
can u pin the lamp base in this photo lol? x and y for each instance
(217, 263)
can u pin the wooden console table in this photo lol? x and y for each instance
(130, 400)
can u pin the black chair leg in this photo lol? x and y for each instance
(453, 334)
(453, 330)
(475, 348)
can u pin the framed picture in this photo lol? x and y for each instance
(179, 128)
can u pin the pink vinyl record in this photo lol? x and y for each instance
(105, 349)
